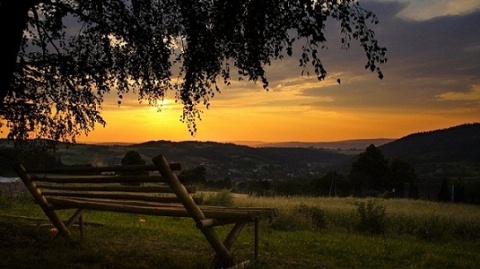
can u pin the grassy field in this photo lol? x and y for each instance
(309, 233)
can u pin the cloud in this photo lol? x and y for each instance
(422, 10)
(472, 95)
(472, 47)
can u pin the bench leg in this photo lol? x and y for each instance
(42, 202)
(223, 258)
(76, 216)
(62, 229)
(229, 240)
(236, 231)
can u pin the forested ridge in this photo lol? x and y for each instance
(458, 144)
(454, 144)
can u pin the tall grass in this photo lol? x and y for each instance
(422, 219)
(310, 232)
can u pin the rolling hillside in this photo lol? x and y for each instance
(456, 150)
(447, 153)
(456, 144)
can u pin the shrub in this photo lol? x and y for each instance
(433, 228)
(467, 230)
(301, 217)
(315, 214)
(221, 198)
(371, 217)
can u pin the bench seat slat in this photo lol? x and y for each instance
(161, 202)
(229, 213)
(110, 195)
(169, 211)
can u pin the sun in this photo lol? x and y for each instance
(165, 104)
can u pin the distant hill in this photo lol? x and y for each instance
(231, 160)
(455, 144)
(459, 145)
(353, 144)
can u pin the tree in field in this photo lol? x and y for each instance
(132, 157)
(444, 192)
(60, 57)
(400, 172)
(369, 172)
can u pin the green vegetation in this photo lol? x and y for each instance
(309, 233)
(219, 198)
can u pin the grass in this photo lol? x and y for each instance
(309, 233)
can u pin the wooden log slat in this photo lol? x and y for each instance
(142, 189)
(90, 170)
(118, 196)
(255, 213)
(227, 216)
(100, 179)
(162, 202)
(158, 211)
(196, 213)
(136, 203)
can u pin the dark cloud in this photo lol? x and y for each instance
(425, 59)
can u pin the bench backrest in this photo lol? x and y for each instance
(128, 184)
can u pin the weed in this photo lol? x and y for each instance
(372, 217)
(433, 228)
(315, 214)
(467, 230)
(221, 198)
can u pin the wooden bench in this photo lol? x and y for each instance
(139, 189)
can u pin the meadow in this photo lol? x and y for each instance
(310, 232)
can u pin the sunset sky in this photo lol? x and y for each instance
(432, 81)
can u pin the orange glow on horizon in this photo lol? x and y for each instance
(275, 116)
(264, 124)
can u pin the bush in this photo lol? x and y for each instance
(315, 214)
(221, 198)
(433, 228)
(371, 217)
(301, 217)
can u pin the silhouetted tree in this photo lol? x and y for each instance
(444, 192)
(459, 192)
(400, 172)
(32, 154)
(132, 157)
(369, 172)
(60, 58)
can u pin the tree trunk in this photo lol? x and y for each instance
(13, 21)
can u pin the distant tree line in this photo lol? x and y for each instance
(371, 174)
